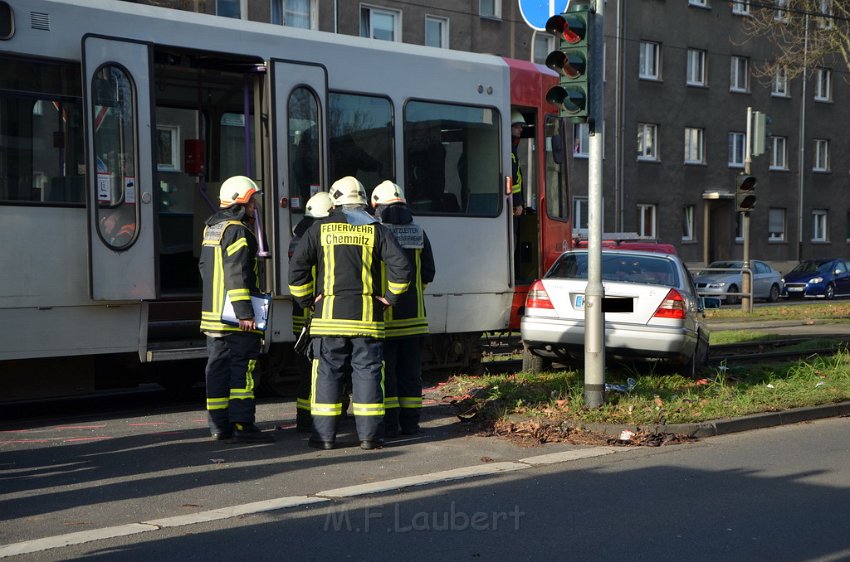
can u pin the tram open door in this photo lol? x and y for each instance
(120, 196)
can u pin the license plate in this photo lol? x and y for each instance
(579, 302)
(793, 289)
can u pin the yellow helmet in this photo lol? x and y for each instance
(237, 190)
(318, 206)
(348, 191)
(387, 193)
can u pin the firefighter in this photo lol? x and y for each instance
(318, 207)
(348, 249)
(405, 323)
(229, 266)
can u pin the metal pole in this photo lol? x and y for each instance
(594, 321)
(802, 141)
(746, 280)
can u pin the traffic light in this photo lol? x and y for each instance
(745, 192)
(571, 61)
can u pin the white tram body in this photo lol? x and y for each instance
(113, 109)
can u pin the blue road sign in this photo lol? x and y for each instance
(536, 12)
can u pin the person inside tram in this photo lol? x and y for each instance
(118, 225)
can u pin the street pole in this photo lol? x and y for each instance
(746, 277)
(594, 320)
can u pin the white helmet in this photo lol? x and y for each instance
(319, 206)
(348, 191)
(387, 193)
(517, 118)
(237, 190)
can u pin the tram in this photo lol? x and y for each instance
(119, 121)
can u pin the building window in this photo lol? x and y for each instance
(437, 32)
(736, 149)
(776, 225)
(647, 141)
(687, 223)
(650, 58)
(696, 67)
(581, 214)
(694, 149)
(778, 153)
(646, 220)
(543, 45)
(490, 8)
(581, 140)
(823, 84)
(739, 80)
(379, 23)
(292, 13)
(819, 225)
(781, 13)
(740, 7)
(821, 156)
(826, 20)
(779, 84)
(230, 8)
(700, 3)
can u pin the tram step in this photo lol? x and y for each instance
(175, 353)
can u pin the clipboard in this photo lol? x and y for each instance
(261, 311)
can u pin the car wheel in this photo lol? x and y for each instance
(533, 363)
(774, 293)
(733, 299)
(829, 294)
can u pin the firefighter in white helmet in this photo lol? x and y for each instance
(318, 207)
(348, 250)
(406, 324)
(228, 266)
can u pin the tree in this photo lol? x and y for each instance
(784, 23)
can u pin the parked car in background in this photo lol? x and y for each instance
(826, 278)
(722, 279)
(650, 305)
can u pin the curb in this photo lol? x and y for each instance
(734, 425)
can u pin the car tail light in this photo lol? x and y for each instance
(537, 297)
(673, 306)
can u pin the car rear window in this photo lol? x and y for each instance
(619, 267)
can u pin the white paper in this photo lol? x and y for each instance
(261, 311)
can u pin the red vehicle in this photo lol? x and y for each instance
(545, 229)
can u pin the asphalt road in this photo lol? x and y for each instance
(775, 494)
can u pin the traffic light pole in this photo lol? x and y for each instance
(746, 276)
(594, 319)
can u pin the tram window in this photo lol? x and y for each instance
(233, 158)
(557, 204)
(42, 152)
(304, 170)
(114, 126)
(361, 138)
(452, 159)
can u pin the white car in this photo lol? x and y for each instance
(724, 280)
(655, 311)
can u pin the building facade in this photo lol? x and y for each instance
(680, 77)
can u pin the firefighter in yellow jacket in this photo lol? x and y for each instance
(348, 249)
(318, 207)
(405, 324)
(229, 269)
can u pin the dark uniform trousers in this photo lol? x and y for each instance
(362, 357)
(230, 381)
(403, 367)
